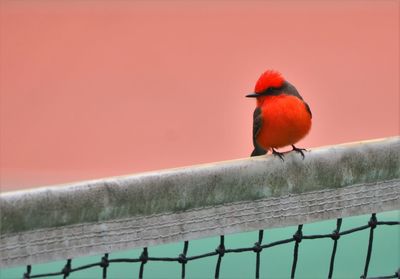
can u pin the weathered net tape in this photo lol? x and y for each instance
(101, 216)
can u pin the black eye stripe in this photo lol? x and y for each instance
(271, 91)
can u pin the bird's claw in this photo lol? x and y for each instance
(299, 150)
(279, 154)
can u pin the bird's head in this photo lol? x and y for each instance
(269, 81)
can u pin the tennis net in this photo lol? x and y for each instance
(114, 214)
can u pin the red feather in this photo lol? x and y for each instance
(269, 78)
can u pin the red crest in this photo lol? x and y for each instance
(269, 78)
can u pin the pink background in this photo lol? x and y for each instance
(99, 88)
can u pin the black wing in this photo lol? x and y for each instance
(257, 123)
(308, 109)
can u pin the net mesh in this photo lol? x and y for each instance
(223, 249)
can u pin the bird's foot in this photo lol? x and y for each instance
(279, 154)
(299, 150)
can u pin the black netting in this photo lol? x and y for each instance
(221, 251)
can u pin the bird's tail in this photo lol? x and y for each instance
(258, 151)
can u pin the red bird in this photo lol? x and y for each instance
(281, 117)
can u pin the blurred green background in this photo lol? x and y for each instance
(276, 262)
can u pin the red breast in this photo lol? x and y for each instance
(285, 121)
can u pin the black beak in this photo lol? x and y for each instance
(252, 95)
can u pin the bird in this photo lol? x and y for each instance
(281, 117)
